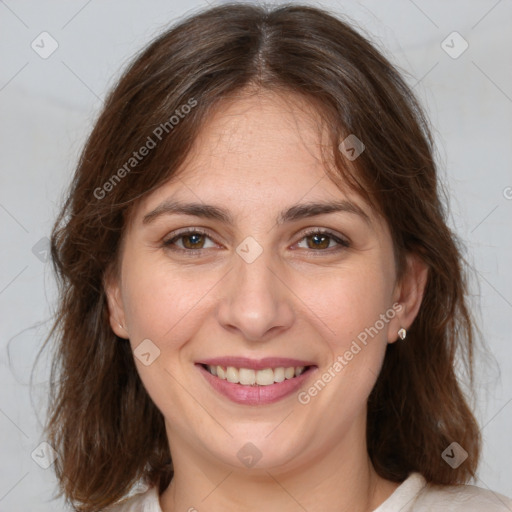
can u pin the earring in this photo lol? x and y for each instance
(402, 333)
(124, 328)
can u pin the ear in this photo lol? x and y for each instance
(408, 293)
(111, 284)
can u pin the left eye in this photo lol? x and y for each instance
(322, 240)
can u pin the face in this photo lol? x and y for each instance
(301, 300)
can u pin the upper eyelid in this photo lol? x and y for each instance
(187, 231)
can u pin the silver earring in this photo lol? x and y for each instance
(124, 329)
(402, 333)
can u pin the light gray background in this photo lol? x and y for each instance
(48, 107)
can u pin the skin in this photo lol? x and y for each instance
(257, 156)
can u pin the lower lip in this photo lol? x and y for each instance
(256, 395)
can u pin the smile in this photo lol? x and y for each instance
(252, 382)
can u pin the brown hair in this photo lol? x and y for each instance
(106, 429)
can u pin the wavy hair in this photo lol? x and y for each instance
(106, 429)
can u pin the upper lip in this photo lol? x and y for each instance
(255, 364)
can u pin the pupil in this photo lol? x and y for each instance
(194, 239)
(321, 239)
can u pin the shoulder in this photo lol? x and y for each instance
(416, 495)
(458, 498)
(144, 500)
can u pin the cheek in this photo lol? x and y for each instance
(167, 307)
(351, 305)
(349, 302)
(161, 301)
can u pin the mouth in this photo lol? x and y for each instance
(253, 382)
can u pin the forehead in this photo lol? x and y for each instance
(249, 135)
(255, 150)
(263, 115)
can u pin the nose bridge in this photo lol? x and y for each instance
(255, 300)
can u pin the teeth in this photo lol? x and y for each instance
(232, 374)
(249, 377)
(289, 373)
(265, 377)
(279, 374)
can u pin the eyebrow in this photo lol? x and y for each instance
(294, 213)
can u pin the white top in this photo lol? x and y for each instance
(413, 495)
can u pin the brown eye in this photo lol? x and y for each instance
(319, 241)
(322, 240)
(192, 240)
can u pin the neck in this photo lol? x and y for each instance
(338, 480)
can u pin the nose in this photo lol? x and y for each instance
(256, 300)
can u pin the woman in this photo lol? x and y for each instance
(260, 300)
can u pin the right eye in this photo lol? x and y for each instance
(192, 240)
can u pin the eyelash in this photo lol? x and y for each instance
(342, 243)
